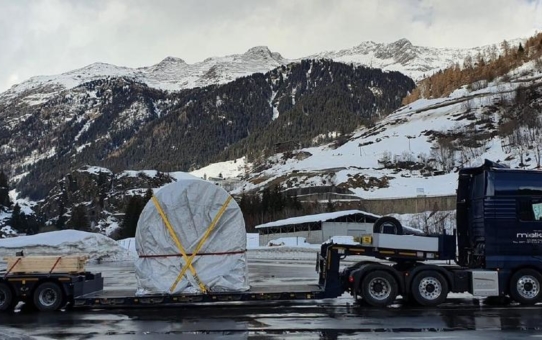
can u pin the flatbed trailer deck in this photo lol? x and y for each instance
(126, 298)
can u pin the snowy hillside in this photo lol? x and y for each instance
(407, 135)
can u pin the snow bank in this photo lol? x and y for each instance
(66, 242)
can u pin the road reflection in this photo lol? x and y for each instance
(326, 320)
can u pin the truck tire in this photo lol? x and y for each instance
(379, 288)
(388, 225)
(48, 297)
(429, 288)
(525, 286)
(6, 298)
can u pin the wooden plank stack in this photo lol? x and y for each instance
(46, 264)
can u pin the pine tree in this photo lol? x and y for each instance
(17, 219)
(131, 217)
(521, 50)
(61, 221)
(4, 190)
(79, 219)
(148, 195)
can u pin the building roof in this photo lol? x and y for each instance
(314, 218)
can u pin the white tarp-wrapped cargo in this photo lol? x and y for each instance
(191, 222)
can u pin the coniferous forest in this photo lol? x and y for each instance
(121, 124)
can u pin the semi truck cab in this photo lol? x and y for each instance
(496, 246)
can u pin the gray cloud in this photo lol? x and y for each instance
(54, 36)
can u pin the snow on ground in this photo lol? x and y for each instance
(136, 173)
(228, 169)
(179, 175)
(66, 242)
(95, 170)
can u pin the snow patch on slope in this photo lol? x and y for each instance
(228, 169)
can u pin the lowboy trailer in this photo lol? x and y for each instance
(495, 250)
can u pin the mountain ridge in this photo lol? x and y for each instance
(173, 73)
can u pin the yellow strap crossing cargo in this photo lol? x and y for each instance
(179, 246)
(191, 239)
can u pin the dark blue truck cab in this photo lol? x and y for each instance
(497, 246)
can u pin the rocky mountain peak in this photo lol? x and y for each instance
(401, 51)
(401, 43)
(172, 60)
(167, 64)
(263, 52)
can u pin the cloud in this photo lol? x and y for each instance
(54, 36)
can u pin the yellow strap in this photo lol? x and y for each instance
(178, 244)
(202, 241)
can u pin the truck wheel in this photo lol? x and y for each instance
(48, 297)
(379, 288)
(6, 298)
(525, 286)
(429, 288)
(388, 225)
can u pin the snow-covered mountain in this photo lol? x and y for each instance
(415, 61)
(172, 74)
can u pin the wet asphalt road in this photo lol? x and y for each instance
(330, 319)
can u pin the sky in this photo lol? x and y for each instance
(55, 36)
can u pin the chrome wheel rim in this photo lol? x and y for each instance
(379, 288)
(48, 297)
(430, 288)
(528, 287)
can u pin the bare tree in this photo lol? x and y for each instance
(533, 131)
(444, 153)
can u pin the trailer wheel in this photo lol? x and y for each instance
(388, 225)
(6, 298)
(525, 286)
(379, 288)
(429, 288)
(48, 297)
